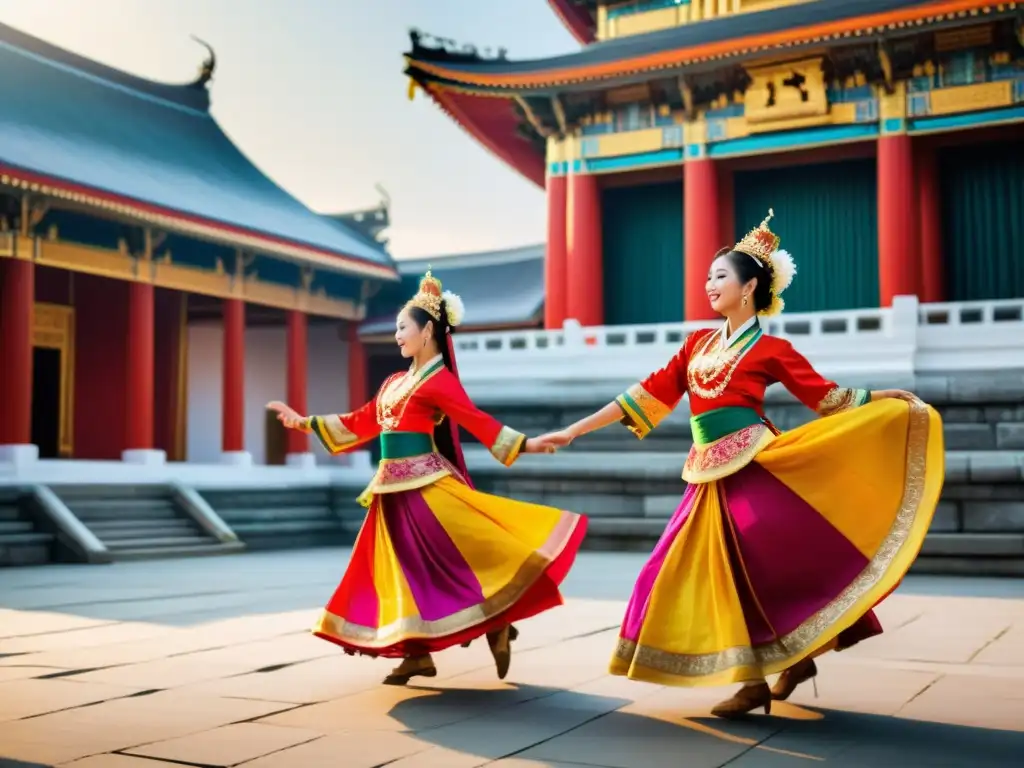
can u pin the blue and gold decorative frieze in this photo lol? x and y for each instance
(791, 106)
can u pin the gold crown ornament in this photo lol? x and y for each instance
(430, 296)
(762, 245)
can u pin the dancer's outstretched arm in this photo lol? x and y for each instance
(641, 407)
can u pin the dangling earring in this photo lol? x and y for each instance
(744, 300)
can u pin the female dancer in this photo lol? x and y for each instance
(783, 542)
(437, 563)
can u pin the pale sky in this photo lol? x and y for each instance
(313, 92)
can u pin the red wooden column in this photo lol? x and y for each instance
(585, 265)
(898, 229)
(298, 362)
(357, 369)
(933, 263)
(555, 262)
(141, 362)
(703, 233)
(233, 380)
(726, 206)
(17, 300)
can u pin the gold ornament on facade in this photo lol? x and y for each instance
(786, 96)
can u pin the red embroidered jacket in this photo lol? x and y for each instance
(417, 403)
(696, 369)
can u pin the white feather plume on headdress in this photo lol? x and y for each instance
(454, 308)
(783, 271)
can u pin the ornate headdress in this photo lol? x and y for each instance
(430, 296)
(762, 245)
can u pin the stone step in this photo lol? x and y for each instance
(159, 543)
(282, 527)
(111, 492)
(227, 501)
(981, 545)
(235, 517)
(17, 526)
(34, 537)
(21, 549)
(147, 524)
(662, 507)
(162, 510)
(181, 550)
(132, 533)
(10, 513)
(126, 504)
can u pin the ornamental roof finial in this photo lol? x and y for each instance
(208, 66)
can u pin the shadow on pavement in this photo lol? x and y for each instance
(552, 726)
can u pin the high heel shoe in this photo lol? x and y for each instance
(799, 673)
(744, 701)
(513, 635)
(413, 666)
(501, 649)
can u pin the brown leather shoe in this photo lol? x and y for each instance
(413, 666)
(788, 681)
(501, 649)
(744, 701)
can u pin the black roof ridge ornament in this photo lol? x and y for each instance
(208, 66)
(432, 47)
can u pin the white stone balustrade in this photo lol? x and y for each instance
(894, 342)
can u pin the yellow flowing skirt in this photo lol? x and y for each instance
(788, 556)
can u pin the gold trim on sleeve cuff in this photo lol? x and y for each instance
(641, 411)
(508, 445)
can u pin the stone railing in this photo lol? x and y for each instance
(894, 342)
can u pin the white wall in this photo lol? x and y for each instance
(265, 380)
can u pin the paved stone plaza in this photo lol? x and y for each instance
(208, 663)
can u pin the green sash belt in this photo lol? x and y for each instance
(714, 425)
(404, 445)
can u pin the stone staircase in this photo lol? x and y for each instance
(22, 541)
(289, 518)
(141, 522)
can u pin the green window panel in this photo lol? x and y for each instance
(827, 217)
(642, 231)
(982, 188)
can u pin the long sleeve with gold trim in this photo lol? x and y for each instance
(344, 432)
(447, 393)
(646, 404)
(796, 374)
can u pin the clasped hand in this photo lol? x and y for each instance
(548, 443)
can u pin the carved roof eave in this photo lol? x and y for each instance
(138, 213)
(481, 76)
(584, 32)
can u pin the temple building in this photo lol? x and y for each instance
(885, 135)
(156, 288)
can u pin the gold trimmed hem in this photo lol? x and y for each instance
(639, 673)
(923, 476)
(415, 628)
(726, 456)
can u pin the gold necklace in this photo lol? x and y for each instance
(394, 396)
(709, 362)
